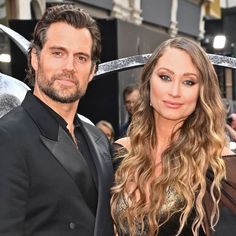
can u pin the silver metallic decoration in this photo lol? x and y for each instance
(12, 86)
(219, 60)
(20, 41)
(122, 64)
(140, 60)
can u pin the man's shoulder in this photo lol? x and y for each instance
(97, 135)
(92, 129)
(14, 115)
(13, 129)
(17, 115)
(17, 119)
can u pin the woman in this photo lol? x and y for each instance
(176, 169)
(107, 128)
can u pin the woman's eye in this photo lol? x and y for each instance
(189, 82)
(165, 77)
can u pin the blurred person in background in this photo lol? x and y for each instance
(230, 129)
(130, 97)
(107, 128)
(231, 120)
(231, 126)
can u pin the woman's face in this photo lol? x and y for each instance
(174, 86)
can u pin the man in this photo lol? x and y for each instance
(130, 97)
(55, 170)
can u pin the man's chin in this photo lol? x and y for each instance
(63, 95)
(70, 99)
(64, 98)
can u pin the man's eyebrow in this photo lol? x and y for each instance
(57, 48)
(64, 49)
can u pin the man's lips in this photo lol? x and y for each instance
(65, 81)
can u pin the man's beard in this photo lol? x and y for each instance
(64, 94)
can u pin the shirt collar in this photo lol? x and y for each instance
(58, 118)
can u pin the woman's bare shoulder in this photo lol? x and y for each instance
(125, 142)
(227, 152)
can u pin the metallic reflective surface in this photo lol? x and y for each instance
(20, 41)
(219, 60)
(122, 64)
(10, 85)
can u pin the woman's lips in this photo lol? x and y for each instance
(173, 105)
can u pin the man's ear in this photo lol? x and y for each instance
(93, 69)
(34, 59)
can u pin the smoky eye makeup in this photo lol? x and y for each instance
(164, 77)
(189, 82)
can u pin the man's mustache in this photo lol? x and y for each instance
(66, 75)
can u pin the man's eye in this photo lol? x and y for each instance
(57, 53)
(81, 59)
(165, 77)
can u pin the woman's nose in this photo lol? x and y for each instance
(175, 89)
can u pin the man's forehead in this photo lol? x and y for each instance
(75, 37)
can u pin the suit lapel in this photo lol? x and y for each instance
(65, 151)
(99, 149)
(100, 153)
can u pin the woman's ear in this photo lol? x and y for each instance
(34, 59)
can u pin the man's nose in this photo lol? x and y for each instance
(69, 63)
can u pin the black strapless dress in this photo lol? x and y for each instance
(171, 227)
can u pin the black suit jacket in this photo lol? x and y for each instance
(39, 192)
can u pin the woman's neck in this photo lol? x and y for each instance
(164, 131)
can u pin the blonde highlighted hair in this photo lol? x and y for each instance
(194, 148)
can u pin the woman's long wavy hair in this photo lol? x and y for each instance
(194, 148)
